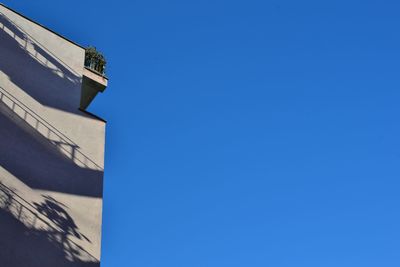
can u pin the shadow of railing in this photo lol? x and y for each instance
(48, 219)
(37, 50)
(65, 145)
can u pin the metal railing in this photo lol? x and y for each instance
(95, 65)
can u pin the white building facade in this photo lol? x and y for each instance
(51, 149)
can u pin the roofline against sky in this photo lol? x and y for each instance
(63, 37)
(44, 27)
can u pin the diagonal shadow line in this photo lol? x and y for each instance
(24, 206)
(38, 63)
(39, 44)
(75, 152)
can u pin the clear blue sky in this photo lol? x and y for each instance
(245, 133)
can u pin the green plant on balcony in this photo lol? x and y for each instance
(94, 60)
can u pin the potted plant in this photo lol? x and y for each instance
(94, 60)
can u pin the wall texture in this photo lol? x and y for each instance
(51, 153)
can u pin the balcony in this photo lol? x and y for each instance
(94, 79)
(95, 61)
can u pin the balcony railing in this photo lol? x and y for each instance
(95, 61)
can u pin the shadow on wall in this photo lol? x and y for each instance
(66, 146)
(41, 233)
(58, 87)
(36, 163)
(47, 79)
(29, 231)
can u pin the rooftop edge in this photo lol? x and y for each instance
(44, 27)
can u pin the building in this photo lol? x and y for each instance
(51, 148)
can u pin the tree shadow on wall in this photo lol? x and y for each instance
(56, 213)
(45, 77)
(38, 234)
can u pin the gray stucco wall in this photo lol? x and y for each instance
(51, 154)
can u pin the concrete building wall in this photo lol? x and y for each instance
(51, 153)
